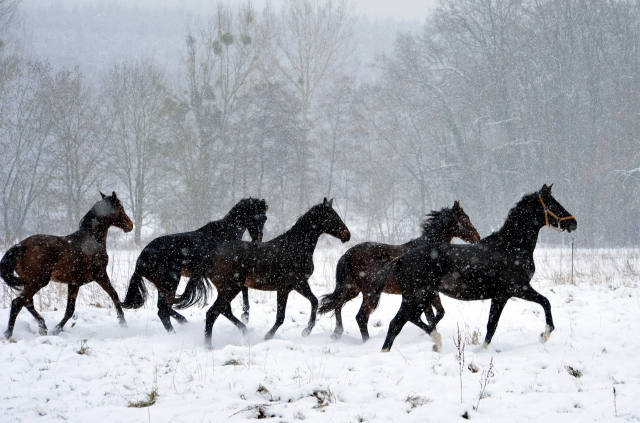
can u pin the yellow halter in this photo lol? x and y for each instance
(548, 212)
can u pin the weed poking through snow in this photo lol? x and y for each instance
(484, 381)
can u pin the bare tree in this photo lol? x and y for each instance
(80, 131)
(311, 42)
(8, 9)
(134, 93)
(26, 146)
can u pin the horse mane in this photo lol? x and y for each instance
(432, 220)
(515, 212)
(87, 222)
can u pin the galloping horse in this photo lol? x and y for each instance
(283, 264)
(168, 257)
(75, 259)
(498, 267)
(359, 265)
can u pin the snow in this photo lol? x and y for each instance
(597, 319)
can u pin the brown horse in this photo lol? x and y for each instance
(358, 267)
(75, 259)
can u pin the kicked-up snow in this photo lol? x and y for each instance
(97, 371)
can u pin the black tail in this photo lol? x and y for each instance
(136, 293)
(8, 264)
(337, 298)
(197, 290)
(378, 284)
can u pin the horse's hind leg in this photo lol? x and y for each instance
(337, 333)
(226, 312)
(72, 294)
(363, 316)
(530, 294)
(282, 306)
(497, 305)
(103, 280)
(220, 306)
(41, 323)
(164, 311)
(179, 317)
(416, 310)
(304, 289)
(16, 306)
(245, 304)
(437, 304)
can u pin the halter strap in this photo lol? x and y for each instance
(548, 212)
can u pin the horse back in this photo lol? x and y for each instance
(365, 260)
(51, 257)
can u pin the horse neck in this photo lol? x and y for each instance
(519, 234)
(303, 234)
(226, 228)
(93, 226)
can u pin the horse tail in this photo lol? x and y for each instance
(197, 290)
(8, 264)
(338, 298)
(136, 293)
(378, 284)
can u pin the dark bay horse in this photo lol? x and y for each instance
(75, 259)
(168, 257)
(498, 267)
(357, 267)
(283, 264)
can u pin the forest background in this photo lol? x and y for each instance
(184, 112)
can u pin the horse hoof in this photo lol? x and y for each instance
(123, 324)
(385, 350)
(544, 336)
(55, 331)
(268, 336)
(437, 339)
(245, 318)
(7, 335)
(336, 336)
(435, 348)
(306, 332)
(485, 345)
(43, 332)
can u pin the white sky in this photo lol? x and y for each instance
(373, 9)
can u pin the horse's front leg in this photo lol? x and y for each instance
(497, 305)
(103, 280)
(222, 305)
(245, 305)
(283, 295)
(72, 294)
(530, 294)
(304, 289)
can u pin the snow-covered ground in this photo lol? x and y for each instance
(95, 369)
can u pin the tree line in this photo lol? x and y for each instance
(489, 100)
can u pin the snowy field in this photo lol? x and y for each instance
(95, 370)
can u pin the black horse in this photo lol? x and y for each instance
(168, 257)
(498, 267)
(283, 264)
(75, 259)
(358, 267)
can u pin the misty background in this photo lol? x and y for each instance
(185, 108)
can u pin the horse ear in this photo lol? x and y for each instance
(324, 202)
(330, 203)
(546, 190)
(103, 196)
(113, 196)
(264, 203)
(456, 204)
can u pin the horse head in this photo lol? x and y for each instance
(330, 223)
(463, 227)
(555, 216)
(112, 210)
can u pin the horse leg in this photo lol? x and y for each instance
(497, 305)
(437, 304)
(363, 316)
(396, 325)
(337, 333)
(72, 294)
(226, 312)
(16, 306)
(179, 317)
(41, 323)
(103, 280)
(219, 307)
(164, 311)
(530, 294)
(245, 304)
(304, 289)
(417, 309)
(282, 305)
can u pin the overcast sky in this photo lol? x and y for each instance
(374, 9)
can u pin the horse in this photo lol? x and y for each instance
(75, 259)
(357, 267)
(283, 264)
(168, 257)
(498, 267)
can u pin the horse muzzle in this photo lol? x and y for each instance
(345, 236)
(475, 237)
